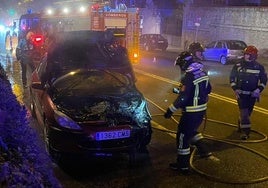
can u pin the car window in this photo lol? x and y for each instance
(236, 45)
(76, 55)
(219, 45)
(160, 37)
(93, 83)
(211, 45)
(41, 69)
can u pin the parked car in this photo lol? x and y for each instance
(85, 103)
(224, 51)
(153, 42)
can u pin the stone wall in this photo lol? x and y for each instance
(249, 24)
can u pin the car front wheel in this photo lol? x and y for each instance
(146, 140)
(56, 156)
(223, 60)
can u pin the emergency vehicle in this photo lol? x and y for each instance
(35, 28)
(30, 39)
(125, 26)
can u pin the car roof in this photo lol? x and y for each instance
(231, 40)
(91, 37)
(89, 49)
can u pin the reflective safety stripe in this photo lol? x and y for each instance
(245, 126)
(233, 84)
(181, 140)
(184, 151)
(253, 71)
(245, 92)
(262, 85)
(196, 108)
(195, 101)
(203, 78)
(197, 137)
(172, 108)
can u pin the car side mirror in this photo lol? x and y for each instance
(37, 85)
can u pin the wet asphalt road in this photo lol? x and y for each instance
(235, 163)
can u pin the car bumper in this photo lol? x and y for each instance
(79, 143)
(235, 58)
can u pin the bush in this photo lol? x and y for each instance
(23, 159)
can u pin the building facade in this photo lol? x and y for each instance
(249, 24)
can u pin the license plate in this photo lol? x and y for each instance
(111, 135)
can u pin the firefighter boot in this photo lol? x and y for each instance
(182, 165)
(202, 149)
(245, 133)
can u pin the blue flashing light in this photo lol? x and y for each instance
(29, 11)
(2, 28)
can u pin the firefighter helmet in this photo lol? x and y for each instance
(252, 50)
(184, 60)
(194, 47)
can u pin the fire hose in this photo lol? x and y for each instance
(158, 127)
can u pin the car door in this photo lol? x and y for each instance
(209, 51)
(38, 94)
(220, 51)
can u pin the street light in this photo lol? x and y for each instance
(196, 30)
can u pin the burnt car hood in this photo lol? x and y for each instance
(99, 108)
(114, 106)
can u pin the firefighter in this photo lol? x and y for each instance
(192, 100)
(248, 79)
(8, 44)
(14, 42)
(24, 47)
(197, 50)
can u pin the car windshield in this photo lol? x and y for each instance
(236, 45)
(92, 82)
(80, 54)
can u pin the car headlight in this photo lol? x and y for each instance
(65, 121)
(142, 114)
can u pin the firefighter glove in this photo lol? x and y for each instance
(237, 93)
(168, 114)
(256, 93)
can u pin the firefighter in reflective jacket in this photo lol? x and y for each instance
(22, 53)
(197, 50)
(247, 78)
(192, 100)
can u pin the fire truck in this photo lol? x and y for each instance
(125, 26)
(35, 29)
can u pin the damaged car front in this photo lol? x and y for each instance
(93, 112)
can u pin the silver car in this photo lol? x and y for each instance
(224, 51)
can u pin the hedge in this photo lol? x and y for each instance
(23, 159)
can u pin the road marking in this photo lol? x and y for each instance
(214, 95)
(160, 127)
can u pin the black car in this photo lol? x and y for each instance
(153, 42)
(85, 99)
(88, 49)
